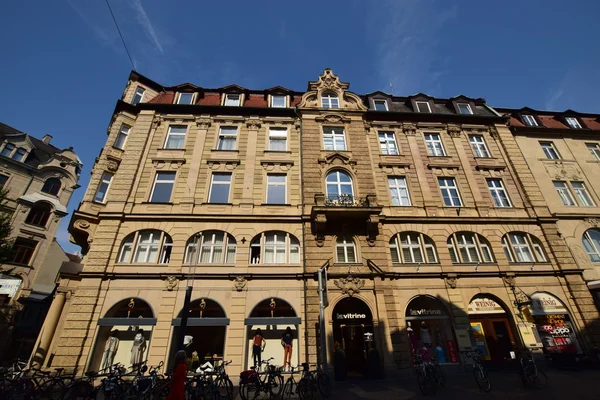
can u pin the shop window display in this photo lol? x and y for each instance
(554, 325)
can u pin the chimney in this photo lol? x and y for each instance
(46, 139)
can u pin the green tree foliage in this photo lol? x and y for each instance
(6, 243)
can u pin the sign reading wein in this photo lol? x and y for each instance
(485, 305)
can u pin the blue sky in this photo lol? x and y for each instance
(63, 64)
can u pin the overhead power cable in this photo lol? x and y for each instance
(120, 34)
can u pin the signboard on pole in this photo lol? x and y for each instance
(323, 293)
(323, 302)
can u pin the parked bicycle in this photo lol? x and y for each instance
(269, 383)
(430, 376)
(529, 372)
(214, 385)
(480, 372)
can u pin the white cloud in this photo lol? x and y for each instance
(144, 21)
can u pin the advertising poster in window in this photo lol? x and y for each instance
(479, 340)
(553, 324)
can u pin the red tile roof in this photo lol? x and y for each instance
(163, 98)
(550, 122)
(255, 101)
(210, 99)
(591, 123)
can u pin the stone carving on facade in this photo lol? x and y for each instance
(112, 165)
(493, 132)
(595, 222)
(157, 121)
(333, 119)
(454, 130)
(560, 170)
(240, 283)
(82, 224)
(253, 123)
(509, 280)
(171, 283)
(328, 81)
(451, 281)
(409, 129)
(350, 285)
(203, 123)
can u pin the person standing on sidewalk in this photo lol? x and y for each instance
(177, 390)
(258, 346)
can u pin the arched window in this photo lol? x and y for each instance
(146, 247)
(411, 248)
(469, 247)
(339, 186)
(216, 247)
(345, 250)
(330, 100)
(39, 214)
(518, 247)
(275, 247)
(51, 186)
(591, 242)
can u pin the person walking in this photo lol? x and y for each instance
(258, 346)
(177, 389)
(286, 341)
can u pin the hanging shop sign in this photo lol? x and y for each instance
(485, 305)
(9, 285)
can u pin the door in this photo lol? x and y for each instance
(504, 341)
(354, 347)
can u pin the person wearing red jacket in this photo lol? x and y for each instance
(177, 390)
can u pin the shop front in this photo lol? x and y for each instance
(429, 329)
(491, 330)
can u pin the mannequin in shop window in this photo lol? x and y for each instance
(139, 347)
(110, 349)
(258, 346)
(286, 341)
(440, 354)
(412, 337)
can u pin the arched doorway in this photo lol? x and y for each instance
(491, 329)
(554, 324)
(429, 329)
(273, 316)
(124, 334)
(205, 332)
(353, 333)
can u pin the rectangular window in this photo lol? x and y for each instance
(227, 138)
(219, 188)
(103, 187)
(434, 145)
(7, 150)
(594, 148)
(122, 137)
(176, 137)
(450, 192)
(423, 106)
(232, 99)
(399, 191)
(163, 187)
(334, 139)
(278, 101)
(573, 122)
(465, 108)
(138, 96)
(550, 151)
(185, 98)
(479, 147)
(19, 154)
(529, 120)
(564, 193)
(582, 194)
(277, 139)
(276, 188)
(498, 193)
(3, 180)
(380, 105)
(387, 142)
(23, 250)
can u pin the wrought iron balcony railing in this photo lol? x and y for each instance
(346, 200)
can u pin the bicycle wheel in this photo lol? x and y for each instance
(79, 391)
(535, 377)
(482, 379)
(275, 385)
(304, 389)
(249, 391)
(288, 389)
(422, 381)
(224, 388)
(439, 376)
(324, 385)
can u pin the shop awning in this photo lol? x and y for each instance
(273, 321)
(202, 321)
(127, 321)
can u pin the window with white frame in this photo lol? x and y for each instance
(232, 99)
(412, 248)
(450, 192)
(185, 98)
(277, 139)
(522, 247)
(164, 182)
(399, 191)
(339, 186)
(275, 247)
(146, 247)
(138, 96)
(122, 137)
(227, 138)
(550, 151)
(19, 154)
(330, 100)
(594, 148)
(276, 188)
(387, 143)
(278, 101)
(219, 188)
(582, 194)
(464, 108)
(216, 247)
(564, 193)
(479, 147)
(345, 250)
(573, 122)
(498, 193)
(434, 145)
(469, 247)
(423, 106)
(176, 137)
(334, 138)
(380, 105)
(103, 187)
(529, 120)
(591, 243)
(7, 150)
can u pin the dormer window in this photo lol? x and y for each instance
(423, 106)
(278, 101)
(380, 105)
(330, 100)
(232, 100)
(7, 150)
(138, 96)
(465, 108)
(573, 122)
(185, 98)
(529, 120)
(19, 154)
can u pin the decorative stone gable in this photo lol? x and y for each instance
(330, 82)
